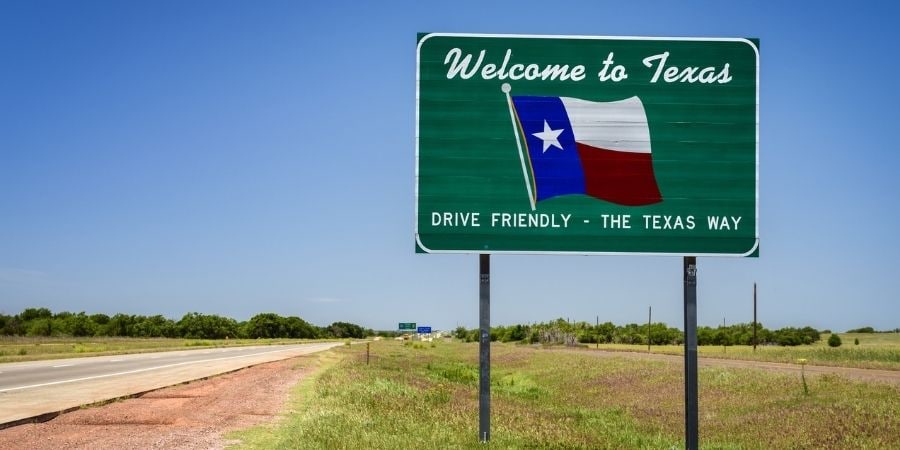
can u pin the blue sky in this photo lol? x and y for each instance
(245, 157)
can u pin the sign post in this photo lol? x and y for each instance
(484, 347)
(599, 145)
(691, 408)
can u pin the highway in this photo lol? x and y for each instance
(45, 388)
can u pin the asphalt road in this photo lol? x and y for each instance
(45, 388)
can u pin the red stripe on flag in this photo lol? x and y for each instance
(625, 178)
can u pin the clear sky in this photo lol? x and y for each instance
(244, 157)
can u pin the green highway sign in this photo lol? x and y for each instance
(587, 145)
(407, 326)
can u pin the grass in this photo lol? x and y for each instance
(17, 349)
(426, 397)
(875, 351)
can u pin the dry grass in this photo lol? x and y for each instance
(427, 397)
(875, 351)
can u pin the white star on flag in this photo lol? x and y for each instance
(549, 136)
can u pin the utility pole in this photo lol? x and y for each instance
(597, 332)
(724, 337)
(649, 322)
(754, 317)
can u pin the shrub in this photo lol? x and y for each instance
(834, 341)
(856, 341)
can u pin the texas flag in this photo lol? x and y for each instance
(575, 146)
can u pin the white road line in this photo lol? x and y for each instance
(142, 370)
(115, 360)
(61, 365)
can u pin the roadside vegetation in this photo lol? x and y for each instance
(561, 331)
(875, 350)
(881, 353)
(43, 322)
(38, 333)
(425, 395)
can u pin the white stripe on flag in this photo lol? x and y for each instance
(620, 125)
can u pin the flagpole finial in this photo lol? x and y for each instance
(505, 87)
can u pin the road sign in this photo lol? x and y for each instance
(423, 330)
(583, 144)
(407, 326)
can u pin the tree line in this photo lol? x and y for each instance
(872, 330)
(561, 331)
(193, 325)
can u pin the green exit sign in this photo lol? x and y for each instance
(586, 144)
(407, 326)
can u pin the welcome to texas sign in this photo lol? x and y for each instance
(587, 144)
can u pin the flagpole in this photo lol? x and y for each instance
(506, 88)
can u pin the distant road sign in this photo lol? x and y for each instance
(586, 144)
(423, 330)
(407, 326)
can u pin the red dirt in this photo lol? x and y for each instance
(188, 416)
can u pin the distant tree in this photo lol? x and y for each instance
(4, 319)
(605, 332)
(265, 325)
(30, 314)
(153, 326)
(80, 325)
(100, 319)
(834, 341)
(795, 336)
(206, 326)
(119, 325)
(856, 341)
(40, 327)
(13, 327)
(511, 333)
(298, 328)
(862, 330)
(343, 330)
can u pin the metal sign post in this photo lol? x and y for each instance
(484, 348)
(691, 426)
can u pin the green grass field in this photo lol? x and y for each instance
(875, 351)
(424, 396)
(16, 349)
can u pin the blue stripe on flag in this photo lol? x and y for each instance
(556, 171)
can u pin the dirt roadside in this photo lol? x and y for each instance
(188, 416)
(867, 375)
